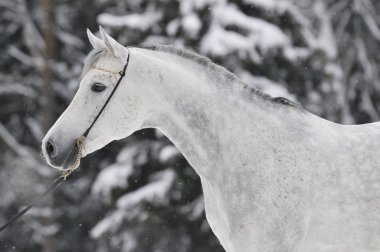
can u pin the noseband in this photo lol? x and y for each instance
(79, 145)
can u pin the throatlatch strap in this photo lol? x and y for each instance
(122, 74)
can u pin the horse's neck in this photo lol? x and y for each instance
(207, 121)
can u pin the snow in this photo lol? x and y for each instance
(34, 128)
(154, 192)
(115, 175)
(366, 10)
(24, 58)
(167, 153)
(334, 70)
(195, 209)
(140, 22)
(159, 40)
(18, 89)
(260, 35)
(107, 224)
(46, 230)
(372, 26)
(191, 25)
(326, 39)
(368, 105)
(70, 39)
(20, 150)
(187, 6)
(266, 85)
(269, 5)
(172, 27)
(295, 54)
(219, 42)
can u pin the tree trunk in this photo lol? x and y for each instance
(48, 56)
(48, 108)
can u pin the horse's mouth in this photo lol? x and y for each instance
(72, 158)
(65, 162)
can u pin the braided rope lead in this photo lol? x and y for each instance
(75, 165)
(55, 184)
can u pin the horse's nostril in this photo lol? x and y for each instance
(50, 148)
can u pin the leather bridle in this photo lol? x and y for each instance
(78, 145)
(122, 74)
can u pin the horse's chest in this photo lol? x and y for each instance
(226, 219)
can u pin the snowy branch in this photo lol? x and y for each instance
(22, 151)
(32, 37)
(17, 89)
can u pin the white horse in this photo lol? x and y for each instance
(274, 177)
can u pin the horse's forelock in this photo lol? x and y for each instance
(91, 59)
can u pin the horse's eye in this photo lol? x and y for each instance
(97, 87)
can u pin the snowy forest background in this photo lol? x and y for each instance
(140, 194)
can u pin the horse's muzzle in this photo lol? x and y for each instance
(57, 157)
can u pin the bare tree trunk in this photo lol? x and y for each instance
(48, 107)
(48, 56)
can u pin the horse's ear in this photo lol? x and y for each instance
(95, 41)
(112, 45)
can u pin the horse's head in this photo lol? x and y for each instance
(123, 115)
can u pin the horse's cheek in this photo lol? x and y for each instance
(126, 116)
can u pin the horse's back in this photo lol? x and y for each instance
(346, 214)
